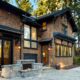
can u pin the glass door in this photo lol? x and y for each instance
(6, 51)
(45, 55)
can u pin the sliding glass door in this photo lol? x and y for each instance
(6, 49)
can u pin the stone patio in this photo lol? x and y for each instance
(52, 74)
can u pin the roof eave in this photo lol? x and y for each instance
(12, 9)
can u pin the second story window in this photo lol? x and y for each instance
(64, 29)
(30, 37)
(44, 26)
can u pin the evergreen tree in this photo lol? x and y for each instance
(24, 5)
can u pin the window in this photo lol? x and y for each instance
(63, 50)
(44, 26)
(64, 29)
(57, 50)
(26, 43)
(33, 44)
(30, 37)
(26, 32)
(33, 33)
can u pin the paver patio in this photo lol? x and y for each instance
(52, 74)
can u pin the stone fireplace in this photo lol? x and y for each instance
(26, 63)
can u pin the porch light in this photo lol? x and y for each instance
(43, 54)
(62, 65)
(50, 48)
(19, 47)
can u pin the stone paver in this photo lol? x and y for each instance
(52, 74)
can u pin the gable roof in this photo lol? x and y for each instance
(25, 16)
(53, 15)
(6, 6)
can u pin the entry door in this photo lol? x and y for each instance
(45, 55)
(7, 49)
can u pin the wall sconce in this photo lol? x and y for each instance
(43, 54)
(19, 47)
(50, 48)
(17, 43)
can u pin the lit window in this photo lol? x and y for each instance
(27, 44)
(33, 44)
(34, 34)
(44, 26)
(57, 50)
(26, 32)
(70, 51)
(58, 41)
(64, 49)
(30, 37)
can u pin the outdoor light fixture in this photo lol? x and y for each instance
(19, 47)
(50, 48)
(43, 54)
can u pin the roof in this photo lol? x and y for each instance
(51, 16)
(31, 21)
(64, 37)
(9, 29)
(6, 6)
(47, 40)
(25, 16)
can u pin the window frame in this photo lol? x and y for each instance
(30, 40)
(62, 45)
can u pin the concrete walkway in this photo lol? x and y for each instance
(52, 74)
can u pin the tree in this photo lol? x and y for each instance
(25, 5)
(48, 6)
(76, 14)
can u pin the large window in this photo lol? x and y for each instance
(30, 37)
(64, 49)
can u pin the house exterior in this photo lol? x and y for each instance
(47, 39)
(56, 39)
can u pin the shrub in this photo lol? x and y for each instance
(77, 52)
(76, 60)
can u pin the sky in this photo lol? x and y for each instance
(13, 2)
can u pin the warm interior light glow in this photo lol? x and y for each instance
(50, 48)
(43, 54)
(62, 65)
(19, 47)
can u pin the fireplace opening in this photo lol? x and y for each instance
(27, 66)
